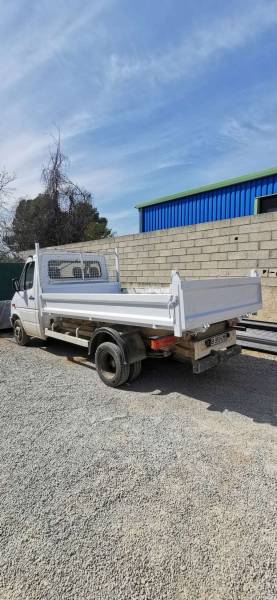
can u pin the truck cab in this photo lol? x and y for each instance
(24, 305)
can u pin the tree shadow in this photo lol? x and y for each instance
(246, 384)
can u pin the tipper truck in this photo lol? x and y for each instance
(77, 298)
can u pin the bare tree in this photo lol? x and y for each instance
(6, 179)
(56, 181)
(62, 213)
(54, 175)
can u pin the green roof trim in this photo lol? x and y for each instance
(210, 187)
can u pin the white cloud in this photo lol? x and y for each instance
(202, 45)
(42, 39)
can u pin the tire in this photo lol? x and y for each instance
(110, 365)
(20, 336)
(135, 370)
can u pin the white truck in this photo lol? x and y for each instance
(77, 298)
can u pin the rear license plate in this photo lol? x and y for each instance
(218, 339)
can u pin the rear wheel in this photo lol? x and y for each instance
(135, 370)
(20, 336)
(110, 365)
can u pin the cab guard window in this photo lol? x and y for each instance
(62, 270)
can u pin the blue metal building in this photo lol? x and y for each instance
(242, 196)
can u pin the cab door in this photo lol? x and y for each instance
(26, 300)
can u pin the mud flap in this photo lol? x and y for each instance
(214, 359)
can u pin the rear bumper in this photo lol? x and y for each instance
(214, 359)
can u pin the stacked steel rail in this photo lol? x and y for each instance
(257, 335)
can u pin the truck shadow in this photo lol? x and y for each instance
(246, 385)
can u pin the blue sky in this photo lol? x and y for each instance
(151, 97)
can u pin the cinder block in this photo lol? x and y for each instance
(260, 236)
(237, 255)
(158, 259)
(258, 227)
(187, 244)
(141, 242)
(241, 221)
(210, 233)
(259, 254)
(263, 217)
(127, 266)
(204, 226)
(196, 250)
(148, 273)
(224, 239)
(180, 237)
(247, 264)
(268, 245)
(196, 235)
(221, 223)
(211, 264)
(210, 249)
(148, 260)
(186, 274)
(248, 246)
(219, 255)
(173, 245)
(189, 258)
(201, 242)
(131, 255)
(267, 263)
(273, 253)
(204, 257)
(239, 237)
(230, 264)
(165, 267)
(190, 228)
(208, 273)
(237, 272)
(171, 259)
(229, 247)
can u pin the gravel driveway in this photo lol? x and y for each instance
(164, 489)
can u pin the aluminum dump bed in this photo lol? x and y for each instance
(188, 305)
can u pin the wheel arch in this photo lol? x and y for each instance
(14, 317)
(130, 342)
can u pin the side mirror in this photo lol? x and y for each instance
(15, 284)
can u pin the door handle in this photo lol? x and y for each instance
(31, 298)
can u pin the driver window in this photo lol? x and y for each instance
(29, 276)
(22, 279)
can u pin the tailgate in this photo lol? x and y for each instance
(213, 300)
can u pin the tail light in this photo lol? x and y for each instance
(164, 342)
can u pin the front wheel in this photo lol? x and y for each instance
(20, 335)
(110, 364)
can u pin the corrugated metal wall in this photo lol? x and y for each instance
(229, 202)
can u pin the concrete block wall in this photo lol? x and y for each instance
(217, 249)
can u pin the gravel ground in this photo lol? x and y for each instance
(163, 490)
